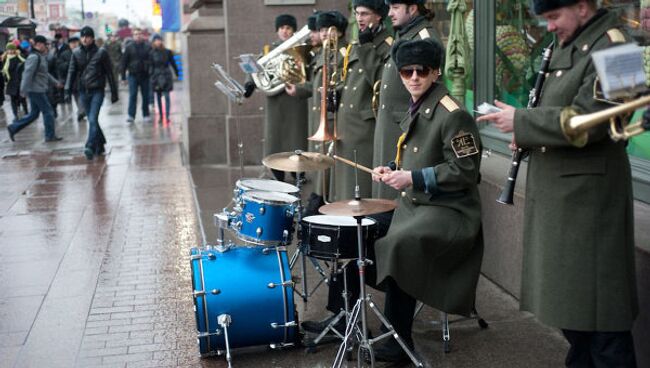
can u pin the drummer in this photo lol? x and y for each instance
(433, 249)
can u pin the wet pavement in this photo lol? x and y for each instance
(95, 266)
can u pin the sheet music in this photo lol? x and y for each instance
(620, 70)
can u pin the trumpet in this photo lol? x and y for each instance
(575, 127)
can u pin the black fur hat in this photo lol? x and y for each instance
(543, 6)
(407, 2)
(286, 20)
(87, 32)
(332, 19)
(311, 21)
(378, 6)
(427, 52)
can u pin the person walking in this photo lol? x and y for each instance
(161, 76)
(12, 71)
(91, 67)
(61, 55)
(34, 84)
(74, 43)
(135, 61)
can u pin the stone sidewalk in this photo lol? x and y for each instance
(94, 260)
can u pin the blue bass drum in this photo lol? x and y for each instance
(251, 286)
(265, 216)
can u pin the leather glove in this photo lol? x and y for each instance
(114, 97)
(333, 100)
(366, 35)
(249, 87)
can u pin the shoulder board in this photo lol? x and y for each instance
(449, 104)
(615, 36)
(342, 50)
(389, 40)
(424, 33)
(267, 49)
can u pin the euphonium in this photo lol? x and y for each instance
(285, 63)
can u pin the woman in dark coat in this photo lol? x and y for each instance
(12, 71)
(161, 76)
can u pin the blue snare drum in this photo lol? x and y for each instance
(252, 286)
(265, 216)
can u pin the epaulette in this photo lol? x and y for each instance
(615, 36)
(342, 50)
(449, 104)
(424, 33)
(389, 40)
(267, 49)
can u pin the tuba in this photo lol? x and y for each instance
(285, 63)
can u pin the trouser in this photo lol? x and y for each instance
(600, 349)
(144, 84)
(159, 96)
(16, 102)
(81, 109)
(92, 102)
(39, 103)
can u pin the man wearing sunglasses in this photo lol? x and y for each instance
(578, 266)
(411, 21)
(433, 249)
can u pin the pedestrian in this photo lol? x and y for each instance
(114, 48)
(161, 76)
(54, 94)
(135, 61)
(61, 55)
(91, 67)
(578, 272)
(74, 43)
(12, 70)
(34, 84)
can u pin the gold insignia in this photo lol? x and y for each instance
(615, 36)
(464, 144)
(424, 33)
(267, 49)
(449, 104)
(389, 40)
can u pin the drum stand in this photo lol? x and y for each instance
(365, 343)
(302, 253)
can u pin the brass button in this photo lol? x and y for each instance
(403, 194)
(404, 146)
(414, 200)
(558, 73)
(547, 74)
(354, 88)
(313, 108)
(383, 106)
(360, 70)
(415, 149)
(585, 47)
(385, 86)
(427, 111)
(346, 87)
(543, 149)
(350, 70)
(351, 105)
(388, 65)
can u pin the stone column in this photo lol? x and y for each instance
(204, 131)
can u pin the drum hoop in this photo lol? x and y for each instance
(256, 241)
(249, 196)
(311, 222)
(241, 184)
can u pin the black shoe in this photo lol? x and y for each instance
(390, 351)
(80, 117)
(11, 134)
(53, 139)
(88, 152)
(318, 326)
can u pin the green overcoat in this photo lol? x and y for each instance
(356, 119)
(285, 122)
(578, 265)
(434, 248)
(393, 104)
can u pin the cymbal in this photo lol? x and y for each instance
(362, 207)
(298, 161)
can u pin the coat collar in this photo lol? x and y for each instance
(427, 108)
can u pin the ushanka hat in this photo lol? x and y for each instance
(286, 20)
(332, 19)
(407, 2)
(311, 21)
(543, 6)
(378, 6)
(427, 52)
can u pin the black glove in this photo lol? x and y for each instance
(249, 87)
(366, 35)
(114, 97)
(646, 119)
(333, 100)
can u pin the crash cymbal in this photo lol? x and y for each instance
(362, 207)
(298, 161)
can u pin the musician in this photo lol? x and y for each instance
(578, 266)
(411, 20)
(433, 249)
(355, 128)
(284, 121)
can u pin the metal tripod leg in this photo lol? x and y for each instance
(224, 321)
(344, 313)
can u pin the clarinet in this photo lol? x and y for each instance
(508, 192)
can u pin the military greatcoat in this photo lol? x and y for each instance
(356, 119)
(285, 122)
(433, 248)
(393, 104)
(578, 266)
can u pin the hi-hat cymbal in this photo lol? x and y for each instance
(362, 207)
(298, 161)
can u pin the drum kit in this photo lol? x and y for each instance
(232, 281)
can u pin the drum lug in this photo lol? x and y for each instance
(286, 325)
(201, 335)
(259, 232)
(195, 257)
(272, 285)
(262, 210)
(198, 293)
(237, 226)
(290, 212)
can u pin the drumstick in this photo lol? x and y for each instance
(353, 164)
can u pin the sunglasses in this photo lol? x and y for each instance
(421, 71)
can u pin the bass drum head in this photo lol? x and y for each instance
(266, 185)
(236, 283)
(337, 220)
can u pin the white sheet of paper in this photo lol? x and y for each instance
(620, 70)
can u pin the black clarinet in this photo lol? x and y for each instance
(508, 192)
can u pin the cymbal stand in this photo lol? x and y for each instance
(302, 253)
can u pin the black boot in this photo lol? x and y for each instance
(318, 326)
